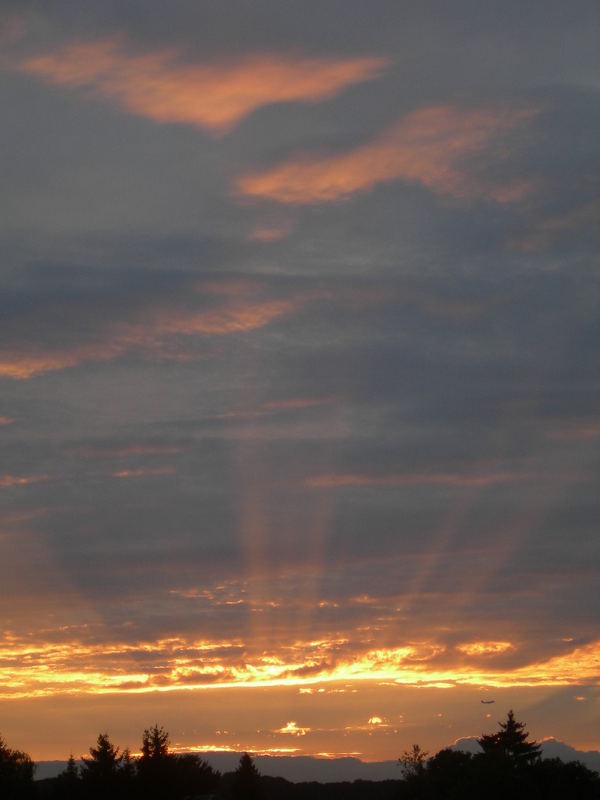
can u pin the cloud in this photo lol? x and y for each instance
(483, 648)
(6, 420)
(584, 430)
(460, 480)
(236, 309)
(425, 147)
(143, 472)
(128, 451)
(59, 665)
(12, 28)
(298, 402)
(271, 233)
(8, 481)
(293, 728)
(158, 85)
(545, 233)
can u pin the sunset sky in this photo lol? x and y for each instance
(299, 374)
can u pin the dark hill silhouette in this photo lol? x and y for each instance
(309, 768)
(508, 765)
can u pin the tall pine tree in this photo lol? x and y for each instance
(511, 742)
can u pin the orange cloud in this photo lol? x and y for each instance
(21, 366)
(8, 481)
(337, 480)
(29, 669)
(236, 314)
(271, 233)
(237, 317)
(425, 147)
(6, 420)
(484, 648)
(143, 472)
(293, 728)
(299, 402)
(215, 96)
(129, 451)
(585, 430)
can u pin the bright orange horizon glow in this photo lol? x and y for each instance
(41, 670)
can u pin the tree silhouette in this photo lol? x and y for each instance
(246, 784)
(510, 767)
(413, 761)
(193, 776)
(511, 742)
(16, 773)
(155, 767)
(100, 772)
(163, 774)
(68, 781)
(127, 774)
(155, 743)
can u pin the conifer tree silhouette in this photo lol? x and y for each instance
(68, 781)
(16, 773)
(246, 785)
(100, 772)
(511, 741)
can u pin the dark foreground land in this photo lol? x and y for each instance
(554, 780)
(509, 767)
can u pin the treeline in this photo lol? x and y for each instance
(156, 774)
(509, 767)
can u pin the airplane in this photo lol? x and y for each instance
(487, 702)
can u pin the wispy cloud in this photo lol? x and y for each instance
(160, 86)
(12, 28)
(143, 472)
(544, 233)
(9, 481)
(424, 147)
(271, 233)
(129, 451)
(466, 480)
(589, 429)
(234, 310)
(299, 402)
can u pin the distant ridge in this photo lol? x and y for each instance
(347, 768)
(551, 748)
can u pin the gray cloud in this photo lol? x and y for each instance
(372, 421)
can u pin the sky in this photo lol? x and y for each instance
(299, 386)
